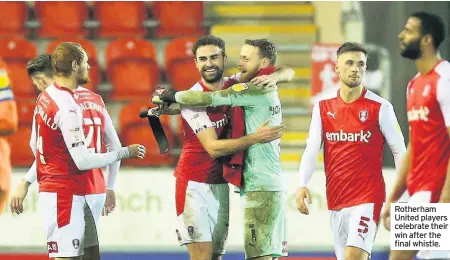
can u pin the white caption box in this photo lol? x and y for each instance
(421, 226)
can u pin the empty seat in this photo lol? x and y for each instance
(135, 130)
(180, 66)
(16, 54)
(13, 16)
(120, 19)
(20, 145)
(91, 50)
(179, 18)
(131, 68)
(61, 19)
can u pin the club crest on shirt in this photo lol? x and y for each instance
(76, 243)
(363, 114)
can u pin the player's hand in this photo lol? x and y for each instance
(265, 81)
(266, 134)
(110, 203)
(19, 195)
(136, 151)
(303, 193)
(162, 95)
(386, 216)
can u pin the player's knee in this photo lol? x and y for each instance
(200, 251)
(401, 255)
(92, 253)
(354, 253)
(266, 257)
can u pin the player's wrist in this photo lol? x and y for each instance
(124, 153)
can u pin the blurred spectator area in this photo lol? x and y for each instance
(134, 46)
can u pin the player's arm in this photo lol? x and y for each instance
(112, 143)
(70, 123)
(200, 123)
(9, 121)
(309, 159)
(392, 132)
(282, 74)
(443, 97)
(241, 94)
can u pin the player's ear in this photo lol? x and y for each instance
(336, 68)
(225, 57)
(74, 65)
(427, 40)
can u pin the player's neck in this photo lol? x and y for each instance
(426, 63)
(348, 94)
(65, 82)
(213, 86)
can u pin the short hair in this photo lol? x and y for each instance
(63, 56)
(209, 40)
(40, 64)
(266, 49)
(433, 25)
(351, 47)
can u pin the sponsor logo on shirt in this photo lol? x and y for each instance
(418, 114)
(342, 136)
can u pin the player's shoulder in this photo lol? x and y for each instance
(443, 69)
(63, 97)
(373, 97)
(84, 93)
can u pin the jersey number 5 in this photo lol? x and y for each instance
(93, 128)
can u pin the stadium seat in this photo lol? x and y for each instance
(16, 54)
(61, 19)
(131, 68)
(179, 18)
(135, 130)
(13, 16)
(120, 19)
(181, 71)
(22, 155)
(91, 50)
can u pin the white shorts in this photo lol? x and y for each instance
(356, 226)
(204, 215)
(64, 222)
(96, 202)
(424, 197)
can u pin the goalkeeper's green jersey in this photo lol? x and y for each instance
(262, 167)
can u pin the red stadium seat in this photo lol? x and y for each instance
(134, 130)
(132, 69)
(13, 16)
(181, 71)
(16, 54)
(179, 18)
(22, 155)
(61, 19)
(120, 19)
(91, 50)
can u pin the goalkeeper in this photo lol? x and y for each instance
(264, 189)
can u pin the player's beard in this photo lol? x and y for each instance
(352, 83)
(216, 77)
(412, 50)
(246, 75)
(83, 79)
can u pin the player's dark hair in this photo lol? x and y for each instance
(266, 49)
(40, 64)
(351, 47)
(63, 56)
(433, 25)
(209, 40)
